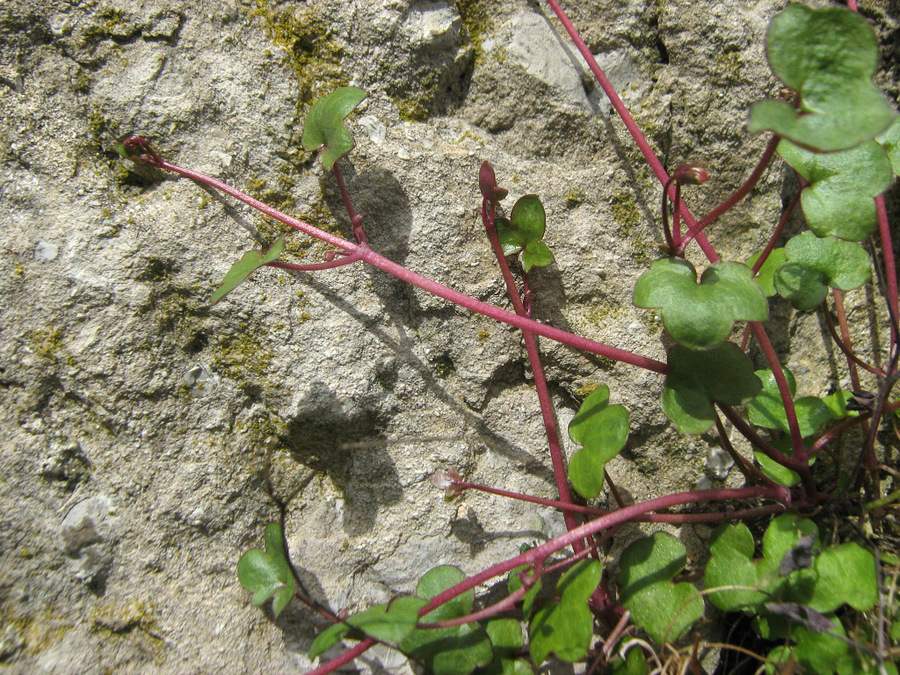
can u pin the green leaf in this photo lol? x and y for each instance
(448, 651)
(772, 469)
(701, 315)
(247, 265)
(325, 124)
(268, 573)
(602, 429)
(634, 663)
(767, 409)
(565, 626)
(846, 574)
(391, 622)
(842, 185)
(696, 379)
(890, 141)
(813, 264)
(506, 637)
(664, 609)
(514, 583)
(327, 639)
(731, 564)
(524, 231)
(829, 56)
(767, 272)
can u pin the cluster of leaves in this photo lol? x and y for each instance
(842, 138)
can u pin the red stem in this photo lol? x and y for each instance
(537, 369)
(540, 553)
(369, 256)
(890, 265)
(629, 122)
(344, 658)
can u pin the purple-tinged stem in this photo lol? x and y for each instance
(506, 604)
(540, 553)
(744, 189)
(751, 473)
(628, 120)
(315, 267)
(369, 256)
(845, 342)
(344, 658)
(786, 398)
(674, 518)
(356, 219)
(773, 240)
(890, 265)
(836, 431)
(759, 442)
(537, 369)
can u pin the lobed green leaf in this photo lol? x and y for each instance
(523, 232)
(839, 198)
(448, 651)
(829, 56)
(664, 609)
(767, 409)
(324, 125)
(565, 626)
(814, 263)
(268, 574)
(890, 141)
(602, 429)
(765, 276)
(697, 379)
(701, 315)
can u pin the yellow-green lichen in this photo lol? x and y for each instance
(309, 47)
(476, 17)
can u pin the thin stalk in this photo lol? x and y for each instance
(630, 124)
(759, 442)
(315, 267)
(537, 369)
(356, 219)
(751, 473)
(890, 265)
(846, 342)
(745, 188)
(776, 234)
(836, 431)
(368, 256)
(344, 658)
(851, 357)
(786, 398)
(540, 553)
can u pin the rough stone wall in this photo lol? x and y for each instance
(139, 424)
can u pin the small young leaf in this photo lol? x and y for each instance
(815, 263)
(565, 626)
(487, 183)
(890, 141)
(664, 609)
(829, 56)
(448, 651)
(524, 231)
(634, 663)
(838, 199)
(767, 409)
(767, 272)
(247, 265)
(696, 379)
(325, 124)
(701, 315)
(602, 429)
(268, 573)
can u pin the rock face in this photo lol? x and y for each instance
(145, 432)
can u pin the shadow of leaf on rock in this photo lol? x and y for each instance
(329, 435)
